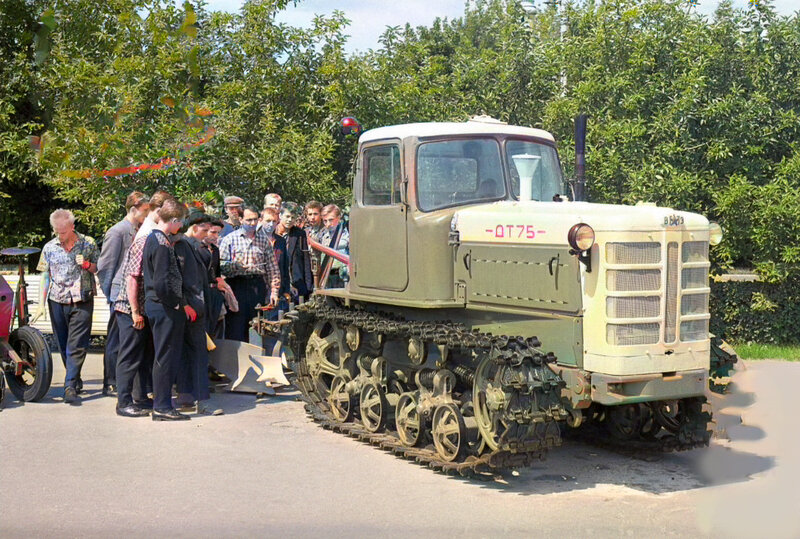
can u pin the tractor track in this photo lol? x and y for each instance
(503, 350)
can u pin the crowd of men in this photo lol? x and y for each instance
(175, 276)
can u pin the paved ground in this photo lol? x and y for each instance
(264, 469)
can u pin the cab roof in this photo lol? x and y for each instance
(482, 125)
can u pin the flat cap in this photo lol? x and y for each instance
(233, 200)
(196, 218)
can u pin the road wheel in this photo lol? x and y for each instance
(374, 408)
(408, 421)
(37, 372)
(449, 432)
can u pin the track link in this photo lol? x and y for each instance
(503, 350)
(693, 432)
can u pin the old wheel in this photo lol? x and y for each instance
(488, 398)
(327, 356)
(650, 426)
(449, 432)
(341, 402)
(668, 414)
(373, 407)
(624, 422)
(407, 420)
(37, 371)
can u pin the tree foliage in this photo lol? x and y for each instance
(697, 113)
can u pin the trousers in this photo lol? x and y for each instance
(112, 348)
(134, 361)
(249, 291)
(72, 325)
(193, 370)
(167, 327)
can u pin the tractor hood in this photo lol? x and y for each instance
(533, 222)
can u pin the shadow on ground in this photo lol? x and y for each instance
(578, 465)
(230, 403)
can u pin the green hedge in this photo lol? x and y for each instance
(760, 312)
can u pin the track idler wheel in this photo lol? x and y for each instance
(374, 408)
(624, 422)
(327, 356)
(408, 420)
(449, 432)
(669, 414)
(342, 403)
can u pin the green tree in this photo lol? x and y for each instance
(23, 215)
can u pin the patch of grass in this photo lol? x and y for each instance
(768, 351)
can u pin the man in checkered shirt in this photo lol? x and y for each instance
(135, 359)
(248, 262)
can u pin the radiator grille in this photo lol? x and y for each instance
(694, 278)
(632, 334)
(671, 313)
(694, 304)
(646, 307)
(694, 330)
(633, 280)
(653, 293)
(695, 251)
(633, 253)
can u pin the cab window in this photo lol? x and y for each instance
(381, 172)
(456, 172)
(538, 160)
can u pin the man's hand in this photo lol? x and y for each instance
(138, 320)
(191, 314)
(223, 286)
(273, 298)
(40, 312)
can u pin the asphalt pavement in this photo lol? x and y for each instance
(264, 469)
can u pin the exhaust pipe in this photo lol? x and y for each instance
(579, 184)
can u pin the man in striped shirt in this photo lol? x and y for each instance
(248, 262)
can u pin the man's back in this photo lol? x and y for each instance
(116, 243)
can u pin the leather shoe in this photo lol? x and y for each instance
(169, 415)
(109, 389)
(132, 411)
(70, 395)
(146, 404)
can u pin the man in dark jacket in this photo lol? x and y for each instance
(165, 307)
(116, 243)
(215, 321)
(297, 252)
(194, 260)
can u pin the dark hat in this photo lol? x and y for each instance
(195, 218)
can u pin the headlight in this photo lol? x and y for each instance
(714, 233)
(581, 237)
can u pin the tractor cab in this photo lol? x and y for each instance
(411, 179)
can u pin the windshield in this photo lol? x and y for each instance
(465, 171)
(456, 172)
(538, 166)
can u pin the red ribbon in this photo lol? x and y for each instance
(165, 162)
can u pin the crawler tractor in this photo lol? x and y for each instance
(489, 308)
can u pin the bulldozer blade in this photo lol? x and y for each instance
(243, 363)
(271, 369)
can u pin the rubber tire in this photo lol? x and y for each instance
(44, 365)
